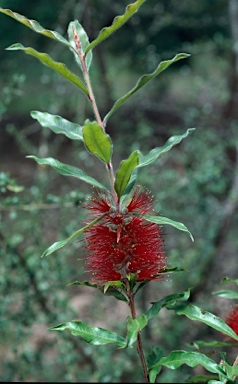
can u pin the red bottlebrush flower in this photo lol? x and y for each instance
(123, 242)
(232, 319)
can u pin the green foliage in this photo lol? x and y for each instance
(92, 335)
(99, 143)
(67, 170)
(49, 62)
(59, 125)
(124, 172)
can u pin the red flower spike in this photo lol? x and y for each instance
(232, 319)
(123, 243)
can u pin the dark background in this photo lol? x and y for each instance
(195, 183)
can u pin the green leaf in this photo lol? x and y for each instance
(49, 62)
(144, 80)
(59, 125)
(216, 382)
(164, 220)
(195, 313)
(177, 358)
(214, 344)
(133, 327)
(97, 141)
(92, 335)
(117, 283)
(202, 379)
(117, 23)
(83, 37)
(167, 300)
(230, 280)
(109, 292)
(156, 152)
(228, 294)
(129, 186)
(124, 172)
(59, 244)
(67, 170)
(35, 26)
(231, 370)
(153, 357)
(86, 283)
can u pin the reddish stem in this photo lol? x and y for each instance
(140, 351)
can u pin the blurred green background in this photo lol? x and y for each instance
(195, 183)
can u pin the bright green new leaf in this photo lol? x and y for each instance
(83, 37)
(133, 327)
(144, 80)
(67, 170)
(231, 371)
(195, 313)
(124, 172)
(117, 23)
(49, 62)
(130, 185)
(59, 244)
(117, 283)
(164, 220)
(177, 358)
(156, 152)
(92, 335)
(97, 141)
(167, 301)
(35, 26)
(228, 294)
(59, 125)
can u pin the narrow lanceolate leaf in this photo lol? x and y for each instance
(59, 244)
(207, 379)
(225, 279)
(124, 172)
(49, 62)
(198, 344)
(164, 220)
(177, 358)
(97, 141)
(67, 170)
(59, 125)
(144, 80)
(119, 284)
(228, 294)
(130, 185)
(195, 313)
(133, 327)
(92, 335)
(83, 38)
(156, 152)
(167, 301)
(110, 291)
(35, 26)
(117, 23)
(231, 371)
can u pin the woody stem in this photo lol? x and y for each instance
(131, 297)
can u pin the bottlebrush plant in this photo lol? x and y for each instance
(123, 235)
